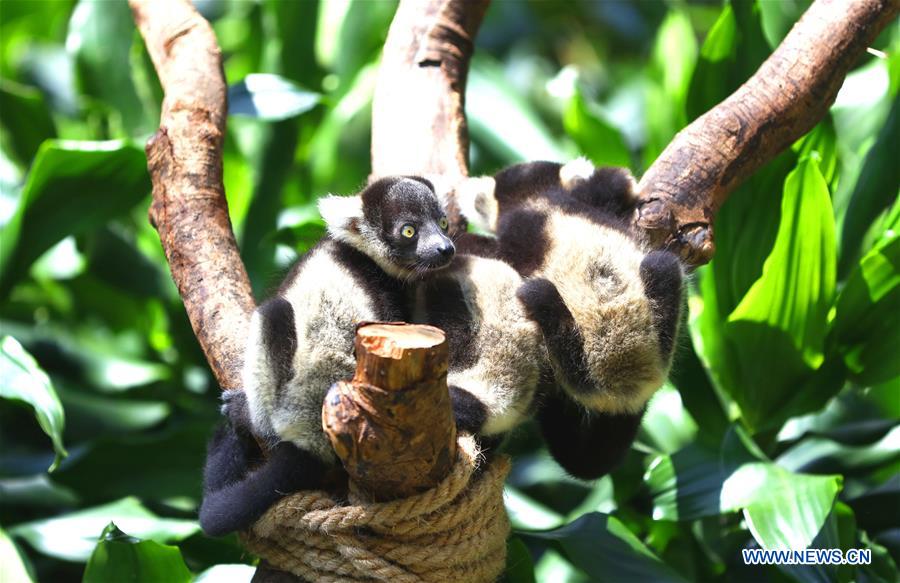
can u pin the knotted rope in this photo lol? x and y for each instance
(455, 531)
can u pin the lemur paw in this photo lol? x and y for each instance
(543, 304)
(236, 410)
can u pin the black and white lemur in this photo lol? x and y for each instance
(387, 257)
(608, 306)
(590, 294)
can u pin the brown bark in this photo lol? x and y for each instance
(185, 161)
(791, 92)
(418, 113)
(392, 425)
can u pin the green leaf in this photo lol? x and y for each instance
(36, 490)
(100, 38)
(269, 97)
(688, 484)
(667, 426)
(782, 318)
(72, 537)
(519, 565)
(72, 187)
(26, 119)
(604, 548)
(12, 564)
(823, 456)
(234, 573)
(732, 51)
(22, 379)
(783, 510)
(527, 514)
(866, 326)
(596, 138)
(119, 557)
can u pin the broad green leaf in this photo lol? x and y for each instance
(72, 187)
(269, 97)
(821, 144)
(72, 537)
(552, 566)
(119, 557)
(869, 505)
(519, 565)
(783, 510)
(35, 490)
(527, 514)
(604, 548)
(700, 398)
(503, 121)
(596, 138)
(100, 38)
(12, 565)
(798, 280)
(778, 18)
(732, 51)
(782, 318)
(877, 188)
(866, 326)
(667, 426)
(688, 484)
(674, 58)
(26, 118)
(233, 573)
(823, 456)
(22, 379)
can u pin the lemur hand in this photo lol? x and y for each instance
(236, 410)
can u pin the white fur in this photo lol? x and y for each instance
(328, 304)
(578, 170)
(476, 200)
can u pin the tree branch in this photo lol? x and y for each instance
(418, 112)
(789, 94)
(185, 160)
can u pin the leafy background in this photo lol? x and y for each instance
(779, 428)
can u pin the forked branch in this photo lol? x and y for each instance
(789, 94)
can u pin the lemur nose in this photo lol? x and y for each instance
(447, 249)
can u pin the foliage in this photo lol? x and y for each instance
(779, 428)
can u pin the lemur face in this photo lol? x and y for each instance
(398, 221)
(413, 224)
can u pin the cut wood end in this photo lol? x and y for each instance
(391, 340)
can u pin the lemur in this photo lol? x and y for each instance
(608, 306)
(301, 341)
(386, 258)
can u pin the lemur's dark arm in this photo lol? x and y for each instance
(239, 485)
(544, 305)
(236, 496)
(586, 444)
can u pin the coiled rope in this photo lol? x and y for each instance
(453, 532)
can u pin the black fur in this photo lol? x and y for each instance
(587, 444)
(447, 309)
(544, 305)
(279, 335)
(661, 275)
(469, 412)
(388, 294)
(523, 239)
(234, 496)
(478, 245)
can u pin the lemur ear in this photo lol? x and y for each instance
(342, 214)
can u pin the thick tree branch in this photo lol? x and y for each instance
(418, 113)
(784, 99)
(185, 160)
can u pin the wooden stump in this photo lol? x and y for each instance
(392, 425)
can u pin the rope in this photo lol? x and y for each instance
(455, 531)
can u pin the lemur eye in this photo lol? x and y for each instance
(408, 231)
(444, 223)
